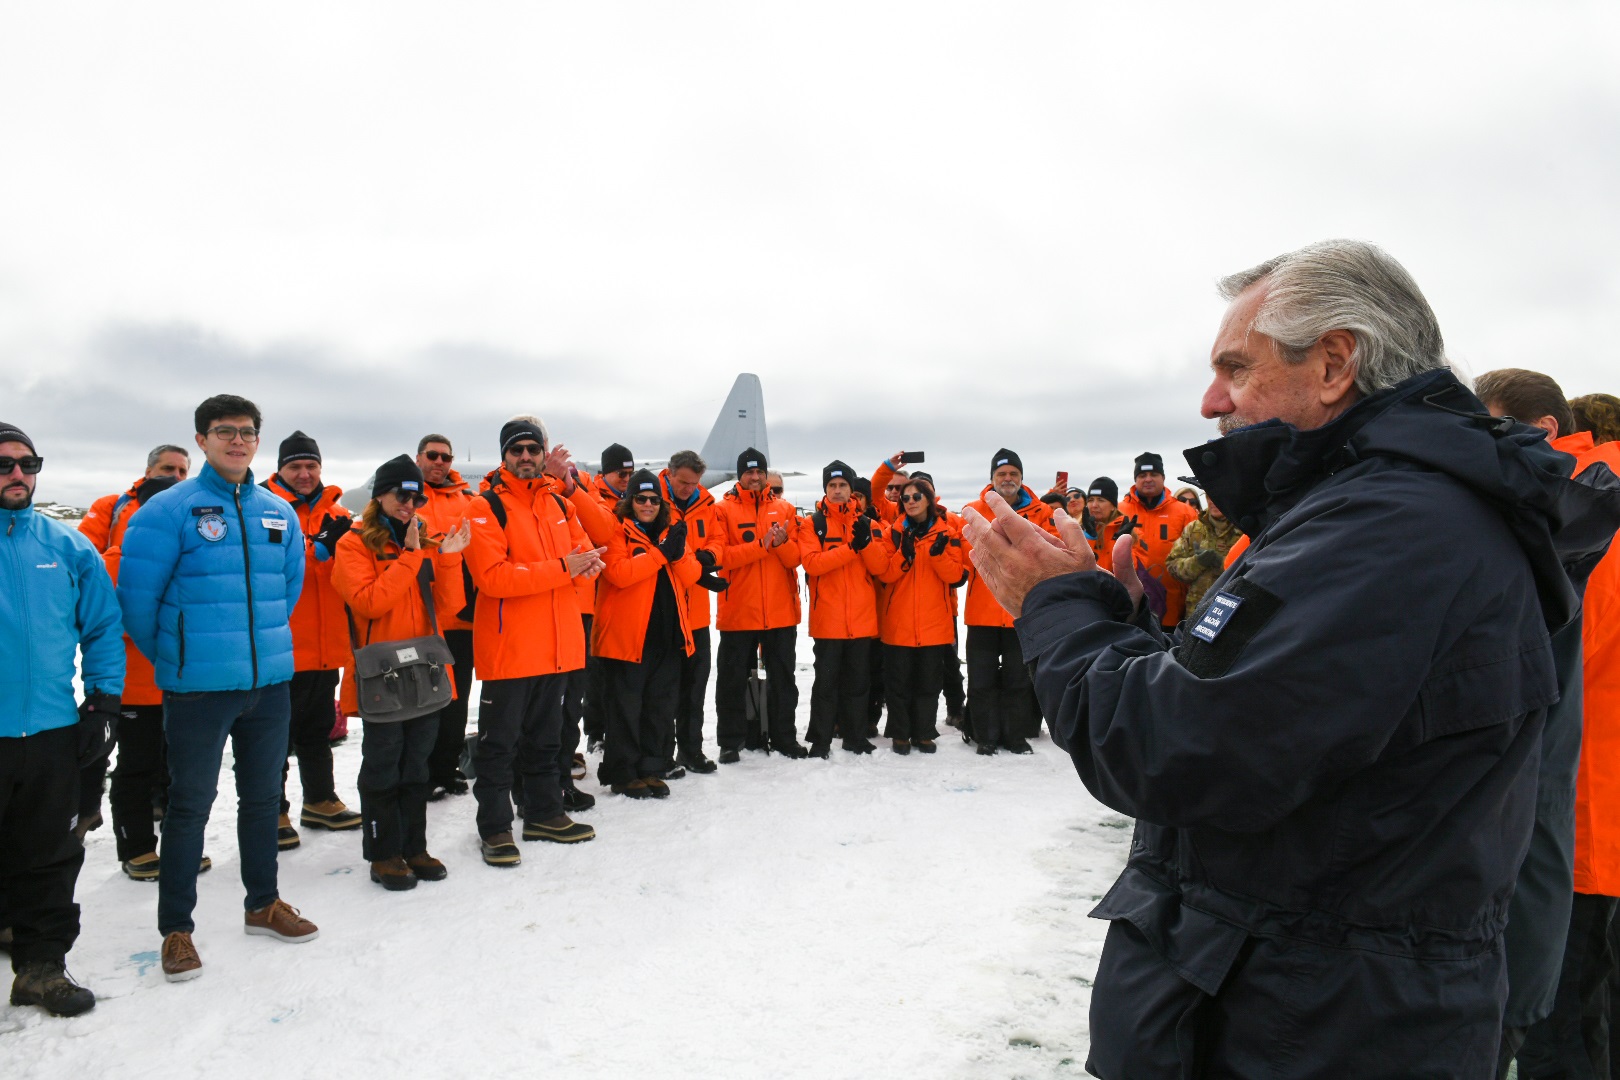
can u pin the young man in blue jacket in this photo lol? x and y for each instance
(210, 573)
(55, 598)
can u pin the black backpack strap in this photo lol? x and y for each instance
(818, 521)
(496, 507)
(424, 581)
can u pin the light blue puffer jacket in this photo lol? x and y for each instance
(55, 597)
(210, 573)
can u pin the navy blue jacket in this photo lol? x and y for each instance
(1333, 765)
(55, 600)
(210, 573)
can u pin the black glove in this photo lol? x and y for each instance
(1210, 559)
(1126, 525)
(908, 545)
(862, 533)
(705, 557)
(97, 727)
(673, 545)
(332, 530)
(713, 583)
(937, 548)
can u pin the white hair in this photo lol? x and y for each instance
(545, 435)
(1346, 285)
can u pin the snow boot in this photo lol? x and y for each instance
(86, 825)
(1017, 745)
(498, 850)
(696, 763)
(47, 984)
(579, 770)
(286, 835)
(635, 789)
(331, 815)
(821, 751)
(142, 867)
(859, 746)
(656, 787)
(729, 757)
(924, 746)
(393, 874)
(575, 800)
(426, 867)
(180, 959)
(793, 751)
(986, 749)
(674, 772)
(558, 830)
(901, 746)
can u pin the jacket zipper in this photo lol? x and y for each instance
(181, 669)
(28, 643)
(247, 566)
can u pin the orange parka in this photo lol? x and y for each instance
(919, 609)
(381, 589)
(704, 532)
(764, 592)
(624, 600)
(1597, 781)
(1160, 529)
(447, 507)
(527, 621)
(140, 680)
(319, 631)
(843, 595)
(98, 523)
(982, 608)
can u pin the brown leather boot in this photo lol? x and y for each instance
(393, 874)
(426, 867)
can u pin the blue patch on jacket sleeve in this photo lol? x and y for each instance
(1216, 615)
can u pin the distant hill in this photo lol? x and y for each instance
(59, 511)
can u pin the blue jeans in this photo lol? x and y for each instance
(196, 726)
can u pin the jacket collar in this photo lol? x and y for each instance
(208, 478)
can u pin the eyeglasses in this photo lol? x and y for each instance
(647, 500)
(892, 491)
(526, 449)
(776, 491)
(438, 455)
(913, 496)
(227, 433)
(29, 465)
(623, 474)
(412, 497)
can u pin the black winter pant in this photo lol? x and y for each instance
(519, 730)
(394, 786)
(640, 715)
(912, 678)
(737, 651)
(577, 697)
(451, 739)
(39, 855)
(694, 686)
(92, 785)
(314, 695)
(141, 773)
(841, 693)
(999, 690)
(875, 699)
(1573, 1043)
(955, 692)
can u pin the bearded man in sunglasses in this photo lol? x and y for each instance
(55, 599)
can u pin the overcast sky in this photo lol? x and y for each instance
(948, 227)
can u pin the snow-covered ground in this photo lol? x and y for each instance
(878, 916)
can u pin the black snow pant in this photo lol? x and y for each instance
(694, 686)
(92, 785)
(912, 678)
(1573, 1043)
(875, 700)
(956, 701)
(451, 739)
(140, 774)
(575, 707)
(585, 693)
(640, 715)
(39, 855)
(840, 695)
(394, 786)
(314, 699)
(999, 690)
(519, 731)
(737, 651)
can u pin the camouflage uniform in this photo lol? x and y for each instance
(1205, 534)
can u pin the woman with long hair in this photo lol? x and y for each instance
(918, 620)
(641, 636)
(377, 569)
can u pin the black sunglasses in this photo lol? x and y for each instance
(29, 465)
(526, 448)
(415, 498)
(647, 500)
(438, 455)
(913, 496)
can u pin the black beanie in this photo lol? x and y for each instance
(1053, 498)
(514, 430)
(1005, 457)
(927, 478)
(643, 480)
(750, 459)
(298, 447)
(400, 473)
(837, 470)
(1148, 462)
(616, 457)
(1104, 488)
(863, 488)
(12, 433)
